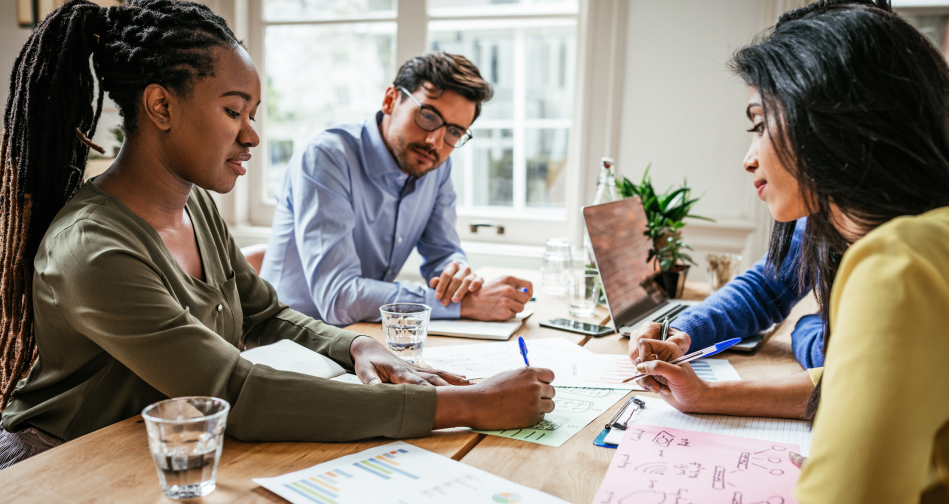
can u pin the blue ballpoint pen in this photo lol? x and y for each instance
(520, 341)
(705, 352)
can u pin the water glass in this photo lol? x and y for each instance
(557, 259)
(405, 326)
(583, 291)
(185, 436)
(720, 269)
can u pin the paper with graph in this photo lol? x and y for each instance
(399, 473)
(609, 371)
(781, 430)
(575, 409)
(656, 465)
(483, 360)
(573, 366)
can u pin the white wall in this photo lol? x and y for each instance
(684, 112)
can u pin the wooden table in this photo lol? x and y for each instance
(114, 465)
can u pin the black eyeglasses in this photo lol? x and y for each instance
(429, 119)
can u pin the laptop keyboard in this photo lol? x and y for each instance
(672, 314)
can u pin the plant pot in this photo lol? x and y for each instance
(673, 281)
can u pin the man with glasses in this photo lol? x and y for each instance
(358, 198)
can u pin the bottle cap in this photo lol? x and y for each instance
(607, 162)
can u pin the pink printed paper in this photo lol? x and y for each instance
(660, 465)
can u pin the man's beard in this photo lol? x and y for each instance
(408, 167)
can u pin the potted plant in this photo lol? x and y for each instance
(665, 216)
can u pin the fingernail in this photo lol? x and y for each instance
(664, 391)
(793, 454)
(641, 367)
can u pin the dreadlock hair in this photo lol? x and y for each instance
(49, 119)
(856, 102)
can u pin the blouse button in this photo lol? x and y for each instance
(220, 307)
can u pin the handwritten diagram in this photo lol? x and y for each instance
(662, 465)
(575, 408)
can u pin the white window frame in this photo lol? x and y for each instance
(594, 129)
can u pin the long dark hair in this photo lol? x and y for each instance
(54, 105)
(857, 105)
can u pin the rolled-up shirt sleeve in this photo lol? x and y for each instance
(323, 225)
(750, 303)
(128, 311)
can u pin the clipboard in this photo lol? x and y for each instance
(619, 421)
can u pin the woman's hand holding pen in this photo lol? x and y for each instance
(677, 385)
(651, 330)
(508, 400)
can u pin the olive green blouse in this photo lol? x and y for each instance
(120, 325)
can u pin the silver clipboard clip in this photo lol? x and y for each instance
(638, 403)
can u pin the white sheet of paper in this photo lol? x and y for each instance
(286, 355)
(573, 365)
(657, 412)
(575, 409)
(399, 473)
(475, 328)
(483, 360)
(347, 378)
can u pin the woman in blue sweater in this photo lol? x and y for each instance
(747, 305)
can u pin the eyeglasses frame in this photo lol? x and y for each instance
(467, 137)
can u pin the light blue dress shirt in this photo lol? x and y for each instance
(347, 219)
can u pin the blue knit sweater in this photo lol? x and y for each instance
(752, 302)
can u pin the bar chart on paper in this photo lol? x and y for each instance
(609, 371)
(398, 473)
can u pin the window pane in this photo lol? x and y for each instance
(496, 7)
(319, 76)
(306, 10)
(551, 65)
(492, 51)
(546, 163)
(493, 163)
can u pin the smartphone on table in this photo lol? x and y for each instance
(578, 327)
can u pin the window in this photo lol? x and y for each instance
(516, 166)
(326, 62)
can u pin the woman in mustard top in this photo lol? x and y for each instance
(128, 289)
(849, 107)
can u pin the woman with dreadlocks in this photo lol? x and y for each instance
(849, 108)
(129, 289)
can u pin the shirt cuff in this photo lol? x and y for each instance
(452, 311)
(418, 411)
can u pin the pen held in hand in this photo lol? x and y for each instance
(520, 342)
(705, 352)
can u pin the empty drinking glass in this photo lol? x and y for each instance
(583, 291)
(185, 437)
(557, 259)
(405, 326)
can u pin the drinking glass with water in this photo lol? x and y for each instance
(185, 437)
(557, 259)
(583, 291)
(405, 326)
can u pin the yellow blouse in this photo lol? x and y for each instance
(883, 422)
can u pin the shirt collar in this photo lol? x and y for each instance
(380, 161)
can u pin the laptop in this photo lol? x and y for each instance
(621, 248)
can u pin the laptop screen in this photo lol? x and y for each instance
(622, 250)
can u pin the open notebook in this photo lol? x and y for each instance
(477, 329)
